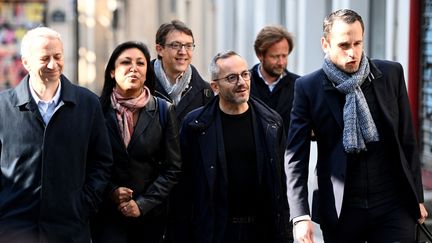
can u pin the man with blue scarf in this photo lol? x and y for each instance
(368, 172)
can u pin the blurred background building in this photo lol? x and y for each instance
(397, 30)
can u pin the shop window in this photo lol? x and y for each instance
(15, 19)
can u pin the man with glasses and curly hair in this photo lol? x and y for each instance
(178, 81)
(232, 150)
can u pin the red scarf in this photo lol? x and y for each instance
(125, 108)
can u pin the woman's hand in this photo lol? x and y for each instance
(129, 209)
(121, 195)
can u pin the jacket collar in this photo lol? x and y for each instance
(283, 80)
(23, 95)
(207, 123)
(145, 117)
(375, 73)
(22, 91)
(207, 114)
(196, 85)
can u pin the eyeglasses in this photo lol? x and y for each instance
(178, 46)
(234, 77)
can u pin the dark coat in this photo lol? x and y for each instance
(280, 99)
(150, 165)
(52, 177)
(197, 94)
(316, 106)
(203, 153)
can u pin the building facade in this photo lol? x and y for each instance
(91, 30)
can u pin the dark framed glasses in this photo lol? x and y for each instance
(233, 78)
(178, 46)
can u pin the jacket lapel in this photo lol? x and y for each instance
(332, 97)
(146, 116)
(24, 99)
(381, 89)
(221, 149)
(260, 140)
(113, 127)
(189, 94)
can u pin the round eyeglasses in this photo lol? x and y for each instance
(233, 78)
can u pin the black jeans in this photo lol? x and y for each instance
(383, 224)
(119, 229)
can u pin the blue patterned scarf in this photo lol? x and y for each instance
(176, 90)
(359, 127)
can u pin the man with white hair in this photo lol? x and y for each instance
(55, 154)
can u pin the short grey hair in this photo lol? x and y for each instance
(28, 38)
(214, 69)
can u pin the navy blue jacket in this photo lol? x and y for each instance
(52, 176)
(203, 153)
(317, 106)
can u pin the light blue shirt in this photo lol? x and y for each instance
(272, 85)
(46, 108)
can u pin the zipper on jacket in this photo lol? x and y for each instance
(163, 96)
(188, 88)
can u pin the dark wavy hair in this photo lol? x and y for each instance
(269, 35)
(109, 82)
(166, 28)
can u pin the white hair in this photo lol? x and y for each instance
(28, 38)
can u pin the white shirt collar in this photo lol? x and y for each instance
(272, 85)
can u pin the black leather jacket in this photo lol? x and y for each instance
(150, 165)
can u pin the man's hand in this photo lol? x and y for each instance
(423, 213)
(121, 194)
(129, 209)
(303, 231)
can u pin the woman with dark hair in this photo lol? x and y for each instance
(144, 136)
